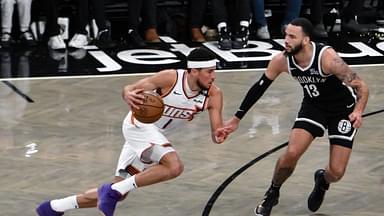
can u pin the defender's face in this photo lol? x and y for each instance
(205, 77)
(294, 38)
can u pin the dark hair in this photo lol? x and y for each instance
(305, 24)
(201, 54)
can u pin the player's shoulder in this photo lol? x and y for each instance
(214, 90)
(278, 63)
(281, 57)
(167, 72)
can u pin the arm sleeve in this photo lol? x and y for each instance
(253, 95)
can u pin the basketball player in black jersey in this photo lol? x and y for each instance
(334, 99)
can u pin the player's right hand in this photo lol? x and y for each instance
(133, 98)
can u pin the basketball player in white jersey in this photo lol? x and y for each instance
(147, 156)
(334, 100)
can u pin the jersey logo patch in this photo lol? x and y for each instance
(349, 106)
(344, 126)
(313, 71)
(197, 101)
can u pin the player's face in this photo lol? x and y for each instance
(206, 77)
(294, 38)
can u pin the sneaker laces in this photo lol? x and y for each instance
(224, 34)
(243, 33)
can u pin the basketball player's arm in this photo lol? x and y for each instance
(215, 108)
(162, 80)
(333, 64)
(276, 66)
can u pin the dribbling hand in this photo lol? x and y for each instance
(133, 98)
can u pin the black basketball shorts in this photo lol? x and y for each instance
(316, 121)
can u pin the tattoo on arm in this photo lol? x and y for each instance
(282, 174)
(341, 70)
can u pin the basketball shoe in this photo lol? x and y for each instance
(45, 209)
(224, 40)
(271, 198)
(241, 38)
(317, 196)
(108, 199)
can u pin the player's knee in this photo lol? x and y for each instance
(335, 173)
(176, 170)
(292, 155)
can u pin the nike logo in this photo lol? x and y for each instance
(176, 93)
(197, 101)
(349, 106)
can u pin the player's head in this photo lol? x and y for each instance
(297, 35)
(201, 64)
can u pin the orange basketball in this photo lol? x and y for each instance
(151, 110)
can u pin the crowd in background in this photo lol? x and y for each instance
(233, 21)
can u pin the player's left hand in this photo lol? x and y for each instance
(356, 119)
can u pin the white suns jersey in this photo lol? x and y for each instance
(179, 107)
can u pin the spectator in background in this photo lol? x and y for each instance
(80, 39)
(147, 10)
(350, 17)
(317, 19)
(232, 17)
(292, 11)
(24, 12)
(55, 40)
(197, 10)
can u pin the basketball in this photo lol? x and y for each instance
(151, 110)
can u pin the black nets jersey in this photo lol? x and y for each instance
(324, 91)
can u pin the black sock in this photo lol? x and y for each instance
(274, 189)
(275, 186)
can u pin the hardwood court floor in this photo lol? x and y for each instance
(69, 140)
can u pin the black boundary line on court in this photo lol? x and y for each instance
(14, 88)
(221, 188)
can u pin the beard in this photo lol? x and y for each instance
(201, 86)
(295, 50)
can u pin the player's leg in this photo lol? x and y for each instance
(57, 207)
(128, 161)
(299, 141)
(167, 166)
(88, 199)
(308, 125)
(341, 135)
(338, 161)
(339, 157)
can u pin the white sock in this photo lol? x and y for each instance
(125, 186)
(62, 205)
(221, 25)
(244, 23)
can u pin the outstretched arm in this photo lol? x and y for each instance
(215, 108)
(333, 64)
(276, 66)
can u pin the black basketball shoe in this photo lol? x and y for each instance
(317, 196)
(271, 198)
(241, 39)
(225, 42)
